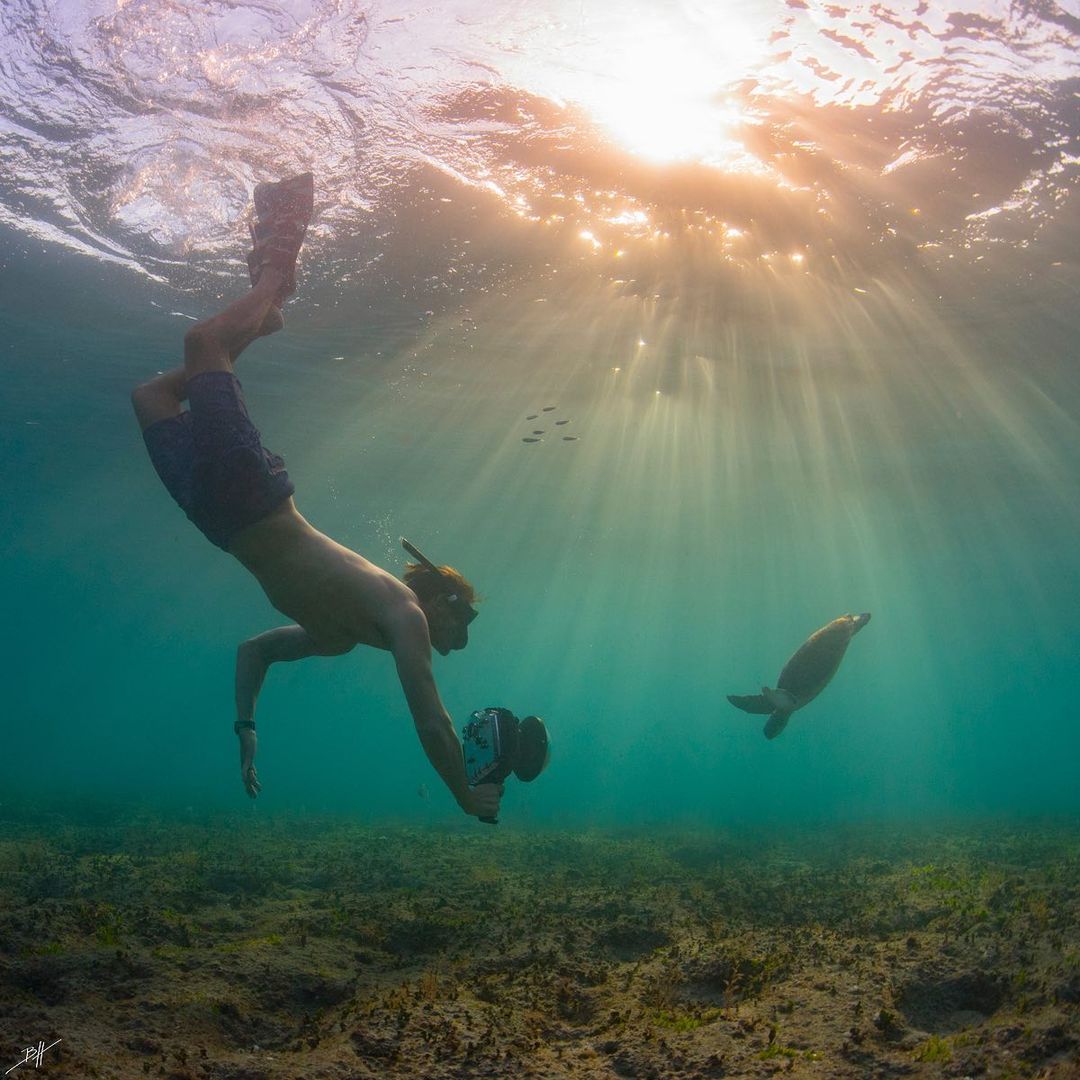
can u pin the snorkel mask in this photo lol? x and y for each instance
(461, 607)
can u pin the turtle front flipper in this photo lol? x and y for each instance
(776, 723)
(751, 703)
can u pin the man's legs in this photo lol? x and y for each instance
(212, 345)
(282, 210)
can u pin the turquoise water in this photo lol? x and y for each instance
(820, 360)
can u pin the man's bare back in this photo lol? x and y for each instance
(336, 595)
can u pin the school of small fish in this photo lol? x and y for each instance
(538, 433)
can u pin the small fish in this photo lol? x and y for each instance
(527, 439)
(569, 438)
(423, 792)
(532, 416)
(548, 408)
(558, 422)
(539, 431)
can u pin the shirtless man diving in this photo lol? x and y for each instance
(212, 462)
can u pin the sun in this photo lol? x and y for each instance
(659, 78)
(663, 103)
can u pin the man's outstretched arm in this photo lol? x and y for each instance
(438, 737)
(253, 659)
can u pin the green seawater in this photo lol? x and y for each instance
(705, 521)
(790, 295)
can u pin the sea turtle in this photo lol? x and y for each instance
(805, 675)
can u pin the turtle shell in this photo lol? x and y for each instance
(814, 663)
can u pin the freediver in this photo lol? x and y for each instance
(211, 459)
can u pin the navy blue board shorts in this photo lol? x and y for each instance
(212, 460)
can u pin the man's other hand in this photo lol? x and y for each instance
(250, 778)
(483, 801)
(251, 781)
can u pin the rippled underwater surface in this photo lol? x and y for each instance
(802, 278)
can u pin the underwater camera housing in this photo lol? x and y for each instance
(496, 743)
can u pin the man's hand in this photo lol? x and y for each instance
(251, 781)
(250, 778)
(253, 658)
(482, 801)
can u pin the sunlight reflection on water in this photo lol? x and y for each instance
(137, 129)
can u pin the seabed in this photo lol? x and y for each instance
(266, 949)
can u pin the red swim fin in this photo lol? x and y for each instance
(282, 213)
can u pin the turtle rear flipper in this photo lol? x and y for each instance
(751, 703)
(776, 723)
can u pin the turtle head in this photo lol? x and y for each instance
(859, 621)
